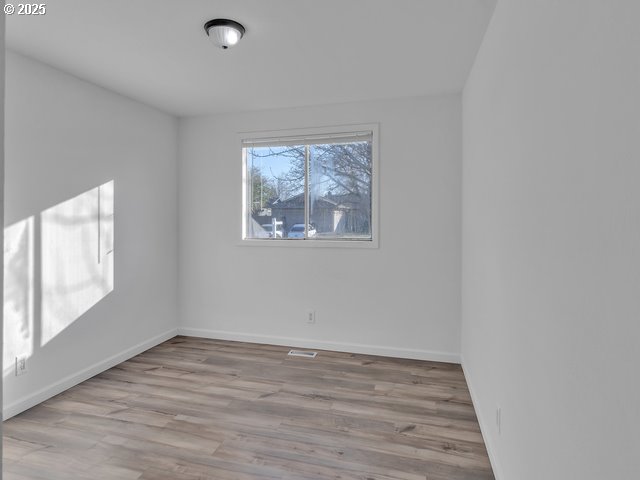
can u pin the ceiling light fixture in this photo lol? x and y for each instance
(224, 33)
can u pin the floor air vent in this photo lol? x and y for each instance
(302, 353)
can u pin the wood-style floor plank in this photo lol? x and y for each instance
(197, 409)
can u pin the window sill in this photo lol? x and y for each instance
(300, 243)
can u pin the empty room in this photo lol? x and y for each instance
(312, 240)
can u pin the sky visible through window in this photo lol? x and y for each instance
(282, 168)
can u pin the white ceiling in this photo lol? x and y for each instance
(295, 52)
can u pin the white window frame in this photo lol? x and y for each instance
(310, 132)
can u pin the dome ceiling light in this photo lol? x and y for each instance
(224, 33)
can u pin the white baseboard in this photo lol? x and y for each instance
(484, 426)
(60, 386)
(322, 345)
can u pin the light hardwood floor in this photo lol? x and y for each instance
(205, 409)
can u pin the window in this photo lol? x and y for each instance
(315, 187)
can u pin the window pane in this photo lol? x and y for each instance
(275, 190)
(340, 191)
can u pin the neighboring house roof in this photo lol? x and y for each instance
(333, 202)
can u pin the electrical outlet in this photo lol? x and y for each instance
(21, 366)
(499, 419)
(311, 316)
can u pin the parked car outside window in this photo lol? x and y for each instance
(297, 231)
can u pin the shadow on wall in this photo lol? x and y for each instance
(57, 265)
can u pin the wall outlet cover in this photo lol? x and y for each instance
(311, 316)
(21, 366)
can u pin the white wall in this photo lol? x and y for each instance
(401, 299)
(551, 238)
(64, 137)
(2, 32)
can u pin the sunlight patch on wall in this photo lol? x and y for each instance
(57, 265)
(77, 257)
(18, 292)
